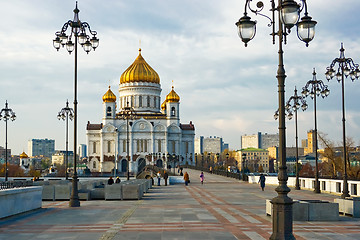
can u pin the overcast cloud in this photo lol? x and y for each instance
(226, 89)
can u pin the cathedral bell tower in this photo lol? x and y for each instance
(171, 105)
(109, 107)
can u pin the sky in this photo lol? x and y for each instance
(226, 89)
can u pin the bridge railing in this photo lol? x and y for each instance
(15, 184)
(239, 176)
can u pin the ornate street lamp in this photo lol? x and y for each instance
(64, 114)
(315, 88)
(346, 67)
(6, 114)
(288, 16)
(127, 113)
(79, 34)
(293, 104)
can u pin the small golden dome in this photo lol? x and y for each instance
(163, 105)
(24, 155)
(172, 96)
(109, 96)
(140, 71)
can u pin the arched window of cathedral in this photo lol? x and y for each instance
(94, 164)
(124, 145)
(142, 145)
(140, 101)
(94, 147)
(155, 102)
(137, 145)
(173, 111)
(186, 147)
(145, 145)
(148, 101)
(159, 145)
(173, 146)
(108, 112)
(132, 101)
(109, 146)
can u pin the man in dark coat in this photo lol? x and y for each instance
(166, 176)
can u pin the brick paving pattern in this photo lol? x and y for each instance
(222, 208)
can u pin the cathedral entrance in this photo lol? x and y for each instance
(141, 164)
(159, 163)
(123, 165)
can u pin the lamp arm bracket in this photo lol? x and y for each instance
(258, 9)
(85, 25)
(64, 28)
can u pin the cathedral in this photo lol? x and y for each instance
(139, 128)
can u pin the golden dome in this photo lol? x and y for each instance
(163, 105)
(109, 96)
(24, 155)
(139, 71)
(172, 96)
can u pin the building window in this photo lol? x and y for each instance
(186, 147)
(173, 146)
(159, 145)
(108, 112)
(109, 146)
(173, 111)
(145, 145)
(137, 145)
(154, 102)
(148, 101)
(94, 164)
(94, 147)
(124, 145)
(140, 101)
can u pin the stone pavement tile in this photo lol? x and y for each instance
(222, 208)
(126, 236)
(173, 236)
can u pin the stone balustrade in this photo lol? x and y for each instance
(334, 186)
(18, 200)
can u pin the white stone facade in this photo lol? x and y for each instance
(156, 135)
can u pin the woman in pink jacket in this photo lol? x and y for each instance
(202, 177)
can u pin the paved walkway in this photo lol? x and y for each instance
(222, 208)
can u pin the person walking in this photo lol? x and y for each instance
(262, 181)
(110, 181)
(159, 178)
(202, 177)
(186, 178)
(166, 176)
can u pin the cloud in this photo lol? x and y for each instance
(225, 89)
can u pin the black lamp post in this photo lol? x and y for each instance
(174, 161)
(293, 104)
(315, 88)
(346, 67)
(64, 114)
(208, 160)
(288, 16)
(79, 33)
(127, 113)
(202, 161)
(6, 114)
(243, 166)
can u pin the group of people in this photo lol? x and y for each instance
(186, 179)
(111, 180)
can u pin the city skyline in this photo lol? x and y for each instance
(226, 90)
